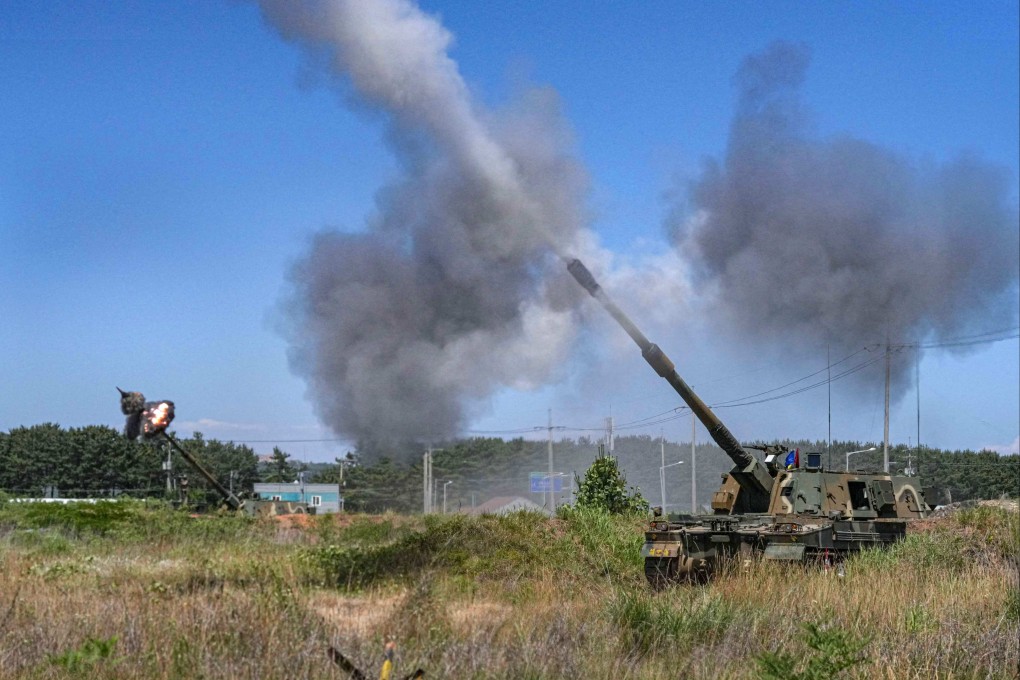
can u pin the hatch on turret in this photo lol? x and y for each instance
(882, 497)
(798, 493)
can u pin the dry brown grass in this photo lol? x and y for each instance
(201, 606)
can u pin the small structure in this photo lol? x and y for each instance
(324, 498)
(504, 505)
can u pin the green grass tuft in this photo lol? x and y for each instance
(831, 651)
(670, 622)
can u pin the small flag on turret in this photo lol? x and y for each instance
(793, 459)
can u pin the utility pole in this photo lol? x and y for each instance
(552, 496)
(425, 483)
(917, 389)
(885, 438)
(445, 484)
(662, 478)
(168, 466)
(694, 468)
(828, 384)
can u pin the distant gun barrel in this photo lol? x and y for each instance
(150, 419)
(752, 475)
(229, 498)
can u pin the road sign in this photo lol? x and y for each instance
(540, 482)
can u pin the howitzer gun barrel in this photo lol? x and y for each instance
(233, 501)
(662, 364)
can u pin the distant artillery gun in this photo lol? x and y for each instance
(150, 420)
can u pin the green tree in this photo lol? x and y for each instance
(81, 462)
(280, 468)
(604, 487)
(336, 472)
(102, 462)
(36, 457)
(383, 486)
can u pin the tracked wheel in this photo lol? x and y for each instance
(662, 571)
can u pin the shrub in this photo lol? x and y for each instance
(605, 488)
(832, 652)
(82, 660)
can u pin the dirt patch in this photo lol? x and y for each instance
(1007, 504)
(295, 521)
(1003, 504)
(472, 616)
(359, 616)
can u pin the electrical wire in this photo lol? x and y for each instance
(678, 412)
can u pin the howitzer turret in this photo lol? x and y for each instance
(754, 480)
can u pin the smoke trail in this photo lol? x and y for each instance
(446, 293)
(808, 241)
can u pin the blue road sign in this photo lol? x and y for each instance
(540, 482)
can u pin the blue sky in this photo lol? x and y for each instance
(163, 164)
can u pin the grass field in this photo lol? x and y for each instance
(134, 591)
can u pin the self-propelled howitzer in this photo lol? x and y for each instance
(753, 480)
(799, 512)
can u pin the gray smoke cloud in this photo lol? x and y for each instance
(806, 241)
(446, 294)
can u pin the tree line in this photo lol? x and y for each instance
(97, 461)
(481, 468)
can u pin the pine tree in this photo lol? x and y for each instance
(280, 468)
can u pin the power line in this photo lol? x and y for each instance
(676, 413)
(810, 375)
(989, 463)
(975, 339)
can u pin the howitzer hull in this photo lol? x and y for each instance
(692, 549)
(814, 516)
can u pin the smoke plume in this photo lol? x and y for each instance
(445, 294)
(810, 241)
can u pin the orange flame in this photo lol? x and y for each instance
(157, 419)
